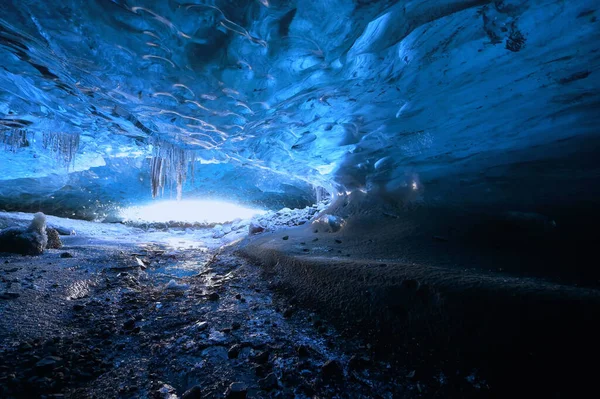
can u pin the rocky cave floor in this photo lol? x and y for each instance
(121, 312)
(102, 319)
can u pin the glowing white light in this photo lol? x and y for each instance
(414, 185)
(189, 211)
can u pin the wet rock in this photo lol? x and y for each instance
(193, 393)
(338, 241)
(268, 383)
(332, 369)
(237, 390)
(213, 296)
(66, 255)
(285, 238)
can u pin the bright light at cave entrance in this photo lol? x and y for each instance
(189, 211)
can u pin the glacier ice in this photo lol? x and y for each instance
(474, 101)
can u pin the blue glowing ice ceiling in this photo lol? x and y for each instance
(385, 96)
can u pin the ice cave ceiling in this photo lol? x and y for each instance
(449, 100)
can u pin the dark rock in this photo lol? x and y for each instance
(255, 228)
(338, 241)
(234, 351)
(237, 390)
(286, 237)
(48, 363)
(303, 351)
(78, 307)
(260, 358)
(260, 371)
(268, 383)
(288, 312)
(9, 295)
(129, 324)
(235, 325)
(24, 347)
(332, 369)
(358, 362)
(193, 393)
(54, 241)
(66, 255)
(213, 296)
(238, 296)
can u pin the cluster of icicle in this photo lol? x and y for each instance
(64, 146)
(169, 165)
(13, 139)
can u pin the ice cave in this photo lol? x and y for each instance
(299, 198)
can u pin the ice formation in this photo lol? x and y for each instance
(490, 103)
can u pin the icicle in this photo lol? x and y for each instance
(64, 146)
(169, 165)
(14, 139)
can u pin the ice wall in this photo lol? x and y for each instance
(449, 101)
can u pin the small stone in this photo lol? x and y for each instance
(237, 390)
(213, 296)
(285, 238)
(66, 255)
(332, 369)
(268, 383)
(238, 296)
(338, 241)
(193, 393)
